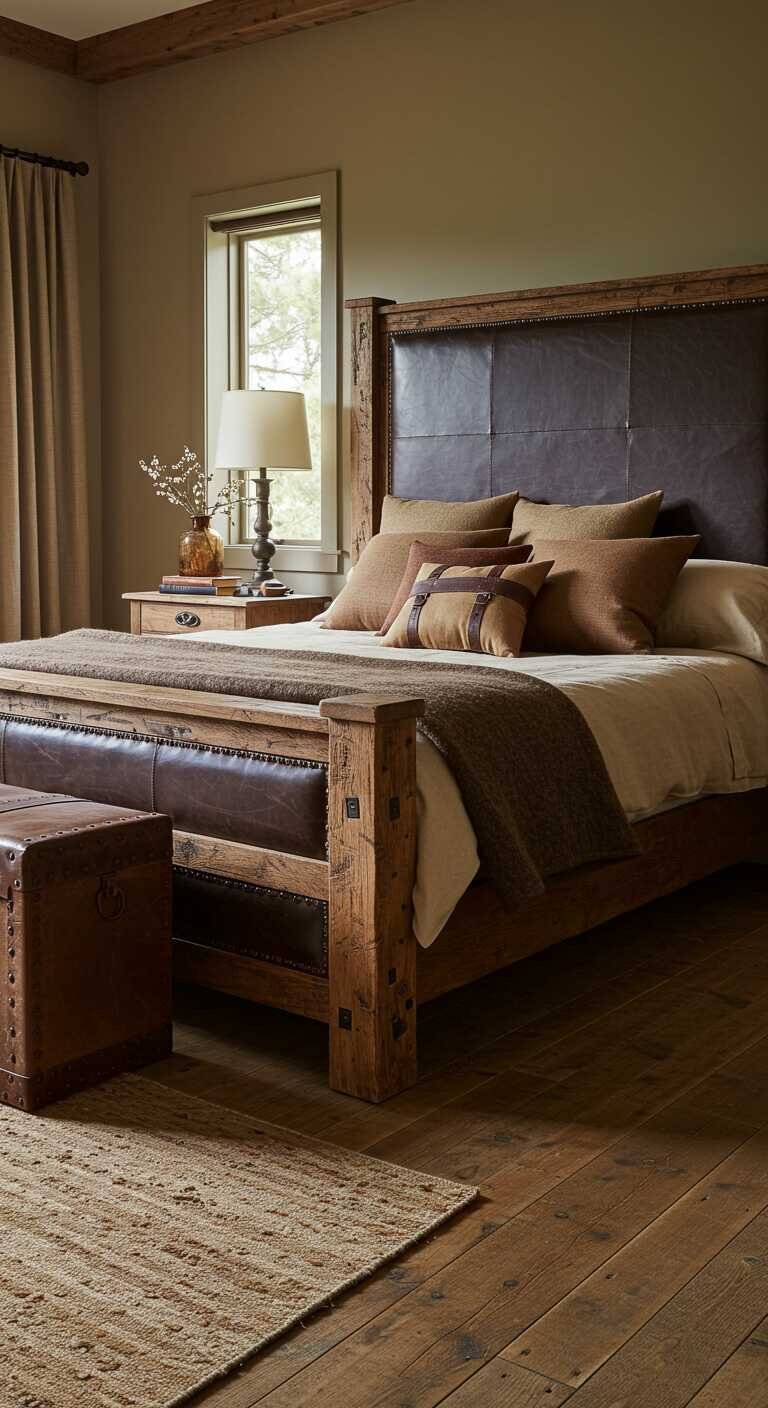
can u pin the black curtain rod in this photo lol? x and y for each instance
(75, 168)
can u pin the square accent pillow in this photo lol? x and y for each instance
(419, 516)
(479, 609)
(604, 596)
(362, 604)
(633, 519)
(451, 557)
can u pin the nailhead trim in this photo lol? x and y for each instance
(57, 1082)
(217, 748)
(169, 742)
(228, 882)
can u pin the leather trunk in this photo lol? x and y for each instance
(85, 909)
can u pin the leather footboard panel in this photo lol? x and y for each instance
(279, 803)
(246, 919)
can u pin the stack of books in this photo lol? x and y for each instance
(199, 586)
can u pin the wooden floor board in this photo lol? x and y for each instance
(674, 1356)
(528, 1264)
(610, 1098)
(742, 1381)
(507, 1386)
(591, 1323)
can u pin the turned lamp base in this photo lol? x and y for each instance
(263, 549)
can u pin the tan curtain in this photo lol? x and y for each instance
(44, 548)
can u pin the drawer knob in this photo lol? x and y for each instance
(187, 618)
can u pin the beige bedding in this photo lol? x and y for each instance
(671, 727)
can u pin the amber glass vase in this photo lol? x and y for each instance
(201, 550)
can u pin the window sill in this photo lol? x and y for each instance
(286, 559)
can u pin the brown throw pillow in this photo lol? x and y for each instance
(434, 516)
(634, 519)
(451, 557)
(604, 596)
(363, 603)
(479, 609)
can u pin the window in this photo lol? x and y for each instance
(282, 351)
(270, 314)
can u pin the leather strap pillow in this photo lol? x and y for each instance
(604, 596)
(451, 557)
(480, 609)
(633, 519)
(363, 603)
(420, 516)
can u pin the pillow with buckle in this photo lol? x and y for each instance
(362, 605)
(482, 609)
(450, 557)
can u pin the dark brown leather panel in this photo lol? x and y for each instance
(549, 376)
(729, 466)
(593, 410)
(98, 767)
(702, 368)
(594, 460)
(460, 464)
(444, 385)
(276, 927)
(239, 797)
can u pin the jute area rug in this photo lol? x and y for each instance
(151, 1242)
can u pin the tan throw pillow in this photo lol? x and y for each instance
(718, 605)
(451, 557)
(604, 596)
(634, 519)
(433, 516)
(362, 605)
(478, 609)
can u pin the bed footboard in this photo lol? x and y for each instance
(367, 745)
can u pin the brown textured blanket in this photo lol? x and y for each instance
(530, 773)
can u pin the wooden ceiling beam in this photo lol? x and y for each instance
(37, 46)
(207, 29)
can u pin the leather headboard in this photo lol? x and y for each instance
(595, 409)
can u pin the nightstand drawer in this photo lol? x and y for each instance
(167, 614)
(184, 618)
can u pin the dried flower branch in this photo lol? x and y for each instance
(186, 485)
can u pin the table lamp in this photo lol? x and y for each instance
(261, 430)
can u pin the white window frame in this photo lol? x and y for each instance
(219, 313)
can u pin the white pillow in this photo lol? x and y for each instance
(718, 606)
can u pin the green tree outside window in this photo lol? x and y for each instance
(283, 354)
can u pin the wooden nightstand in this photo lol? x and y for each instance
(161, 614)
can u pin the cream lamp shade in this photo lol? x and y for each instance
(263, 429)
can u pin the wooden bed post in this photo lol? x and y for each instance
(367, 427)
(372, 949)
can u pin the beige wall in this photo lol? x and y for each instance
(56, 115)
(482, 146)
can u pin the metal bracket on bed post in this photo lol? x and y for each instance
(372, 949)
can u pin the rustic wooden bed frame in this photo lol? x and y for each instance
(377, 974)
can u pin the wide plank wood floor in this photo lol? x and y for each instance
(610, 1098)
